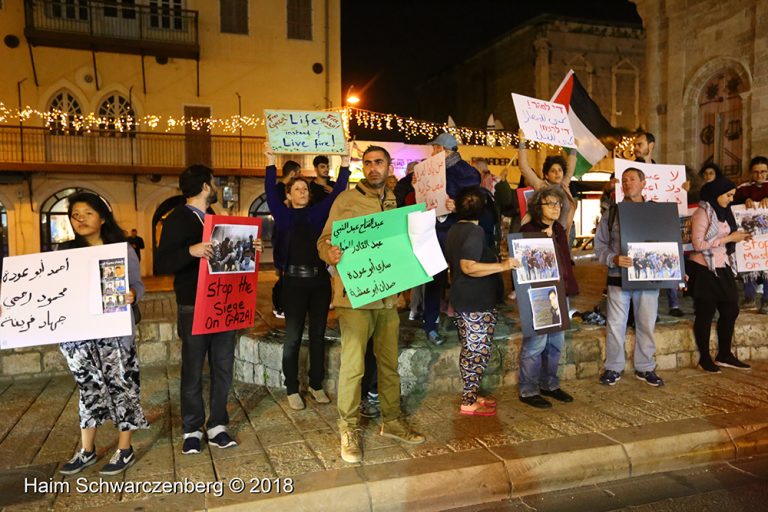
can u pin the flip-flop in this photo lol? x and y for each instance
(487, 402)
(478, 411)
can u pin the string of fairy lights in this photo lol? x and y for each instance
(410, 128)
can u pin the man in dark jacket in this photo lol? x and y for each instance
(179, 253)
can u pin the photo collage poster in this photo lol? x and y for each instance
(114, 285)
(538, 281)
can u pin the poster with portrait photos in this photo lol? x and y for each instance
(541, 298)
(114, 285)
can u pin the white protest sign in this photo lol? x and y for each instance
(752, 255)
(421, 231)
(70, 295)
(544, 121)
(663, 183)
(429, 183)
(294, 131)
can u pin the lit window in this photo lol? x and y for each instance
(66, 112)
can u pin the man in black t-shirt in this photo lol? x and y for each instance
(136, 242)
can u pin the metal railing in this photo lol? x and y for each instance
(39, 145)
(101, 19)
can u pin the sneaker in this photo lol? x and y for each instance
(730, 361)
(351, 446)
(191, 443)
(295, 402)
(676, 312)
(79, 462)
(413, 315)
(399, 429)
(708, 366)
(319, 396)
(220, 438)
(610, 377)
(369, 409)
(650, 378)
(120, 461)
(278, 313)
(435, 338)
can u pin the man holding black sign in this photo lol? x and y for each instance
(646, 302)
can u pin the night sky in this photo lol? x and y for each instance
(389, 47)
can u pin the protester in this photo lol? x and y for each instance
(404, 185)
(487, 179)
(306, 288)
(106, 370)
(754, 194)
(540, 354)
(323, 185)
(555, 172)
(458, 176)
(378, 319)
(179, 253)
(710, 273)
(136, 242)
(646, 302)
(391, 182)
(291, 170)
(473, 267)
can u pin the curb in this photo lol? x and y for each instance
(485, 475)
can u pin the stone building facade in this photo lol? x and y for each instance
(532, 59)
(706, 80)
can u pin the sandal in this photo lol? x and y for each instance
(485, 401)
(477, 410)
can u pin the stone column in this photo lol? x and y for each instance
(541, 86)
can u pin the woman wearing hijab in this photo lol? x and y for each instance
(711, 273)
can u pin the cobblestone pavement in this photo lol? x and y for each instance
(39, 431)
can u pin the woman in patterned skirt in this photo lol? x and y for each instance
(473, 296)
(106, 370)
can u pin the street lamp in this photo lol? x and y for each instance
(352, 98)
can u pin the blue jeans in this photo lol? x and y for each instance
(539, 358)
(646, 305)
(750, 290)
(673, 299)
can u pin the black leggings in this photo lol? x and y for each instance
(702, 325)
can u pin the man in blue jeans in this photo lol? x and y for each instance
(646, 302)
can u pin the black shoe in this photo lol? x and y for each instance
(120, 461)
(536, 401)
(650, 378)
(708, 366)
(222, 440)
(730, 361)
(557, 394)
(79, 462)
(192, 444)
(676, 312)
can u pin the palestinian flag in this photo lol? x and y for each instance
(587, 122)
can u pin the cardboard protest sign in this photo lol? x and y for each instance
(650, 235)
(752, 255)
(523, 196)
(663, 183)
(377, 258)
(429, 183)
(544, 121)
(69, 295)
(293, 131)
(541, 298)
(226, 284)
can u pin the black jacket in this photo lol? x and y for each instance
(181, 230)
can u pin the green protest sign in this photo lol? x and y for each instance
(377, 259)
(294, 131)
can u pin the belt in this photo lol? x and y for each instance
(301, 271)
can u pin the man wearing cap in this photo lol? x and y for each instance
(458, 175)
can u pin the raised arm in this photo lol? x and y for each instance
(531, 178)
(571, 168)
(276, 206)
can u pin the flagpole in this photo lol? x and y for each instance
(562, 84)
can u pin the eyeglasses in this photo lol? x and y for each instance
(552, 204)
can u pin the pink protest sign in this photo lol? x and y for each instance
(663, 183)
(429, 183)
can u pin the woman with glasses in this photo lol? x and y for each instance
(540, 354)
(473, 296)
(106, 370)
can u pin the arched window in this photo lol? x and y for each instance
(260, 208)
(116, 117)
(721, 112)
(625, 95)
(54, 223)
(66, 109)
(584, 70)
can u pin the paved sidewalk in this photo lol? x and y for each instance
(607, 433)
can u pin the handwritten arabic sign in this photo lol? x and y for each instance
(377, 259)
(57, 296)
(544, 121)
(663, 183)
(429, 183)
(752, 255)
(226, 300)
(292, 131)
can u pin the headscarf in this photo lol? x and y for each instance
(714, 189)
